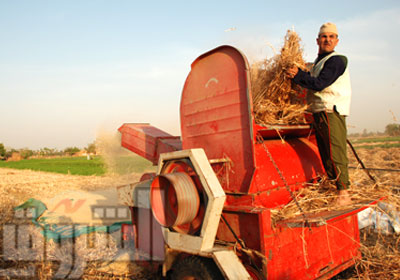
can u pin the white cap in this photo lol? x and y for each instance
(328, 27)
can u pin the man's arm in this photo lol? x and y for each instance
(333, 68)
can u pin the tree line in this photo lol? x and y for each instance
(26, 153)
(392, 129)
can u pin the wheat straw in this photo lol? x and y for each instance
(276, 100)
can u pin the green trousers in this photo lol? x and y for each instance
(331, 134)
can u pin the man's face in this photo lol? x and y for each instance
(327, 42)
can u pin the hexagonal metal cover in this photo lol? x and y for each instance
(216, 199)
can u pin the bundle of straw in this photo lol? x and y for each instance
(322, 197)
(275, 97)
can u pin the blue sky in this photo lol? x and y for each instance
(70, 68)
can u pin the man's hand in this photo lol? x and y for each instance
(291, 72)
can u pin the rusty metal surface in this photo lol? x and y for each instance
(148, 141)
(215, 112)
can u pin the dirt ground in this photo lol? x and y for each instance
(377, 158)
(16, 186)
(381, 252)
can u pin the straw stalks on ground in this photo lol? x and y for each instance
(276, 99)
(381, 256)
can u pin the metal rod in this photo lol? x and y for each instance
(377, 169)
(232, 231)
(360, 161)
(218, 160)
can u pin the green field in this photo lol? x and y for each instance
(125, 164)
(130, 164)
(383, 146)
(82, 166)
(375, 140)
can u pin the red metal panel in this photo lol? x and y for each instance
(241, 222)
(150, 240)
(148, 141)
(215, 112)
(168, 144)
(298, 161)
(278, 131)
(295, 252)
(301, 253)
(216, 115)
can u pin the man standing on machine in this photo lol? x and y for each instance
(328, 97)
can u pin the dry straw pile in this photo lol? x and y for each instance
(276, 99)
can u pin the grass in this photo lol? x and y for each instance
(132, 163)
(81, 166)
(375, 140)
(384, 146)
(64, 165)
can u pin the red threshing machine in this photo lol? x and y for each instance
(206, 213)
